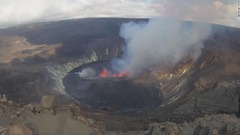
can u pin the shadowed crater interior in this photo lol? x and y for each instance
(85, 84)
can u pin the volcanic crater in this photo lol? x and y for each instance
(109, 91)
(74, 72)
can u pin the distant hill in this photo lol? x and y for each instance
(36, 57)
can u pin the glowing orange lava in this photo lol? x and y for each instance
(123, 74)
(104, 73)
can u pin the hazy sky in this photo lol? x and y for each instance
(14, 12)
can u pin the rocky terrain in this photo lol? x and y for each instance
(38, 62)
(47, 118)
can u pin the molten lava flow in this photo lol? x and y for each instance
(104, 73)
(122, 74)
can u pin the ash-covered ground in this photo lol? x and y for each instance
(47, 91)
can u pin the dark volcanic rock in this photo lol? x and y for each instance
(201, 130)
(111, 93)
(46, 57)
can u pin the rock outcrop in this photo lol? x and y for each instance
(167, 128)
(3, 98)
(47, 101)
(20, 129)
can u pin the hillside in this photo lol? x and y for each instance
(48, 59)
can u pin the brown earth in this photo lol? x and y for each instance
(34, 61)
(17, 48)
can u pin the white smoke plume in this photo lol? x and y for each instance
(159, 42)
(87, 73)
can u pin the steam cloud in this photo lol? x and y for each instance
(159, 42)
(87, 73)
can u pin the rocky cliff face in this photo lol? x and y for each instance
(58, 71)
(191, 88)
(50, 60)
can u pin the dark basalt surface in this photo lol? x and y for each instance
(188, 89)
(111, 94)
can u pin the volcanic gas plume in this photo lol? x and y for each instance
(87, 73)
(159, 42)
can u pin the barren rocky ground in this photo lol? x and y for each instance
(197, 96)
(46, 119)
